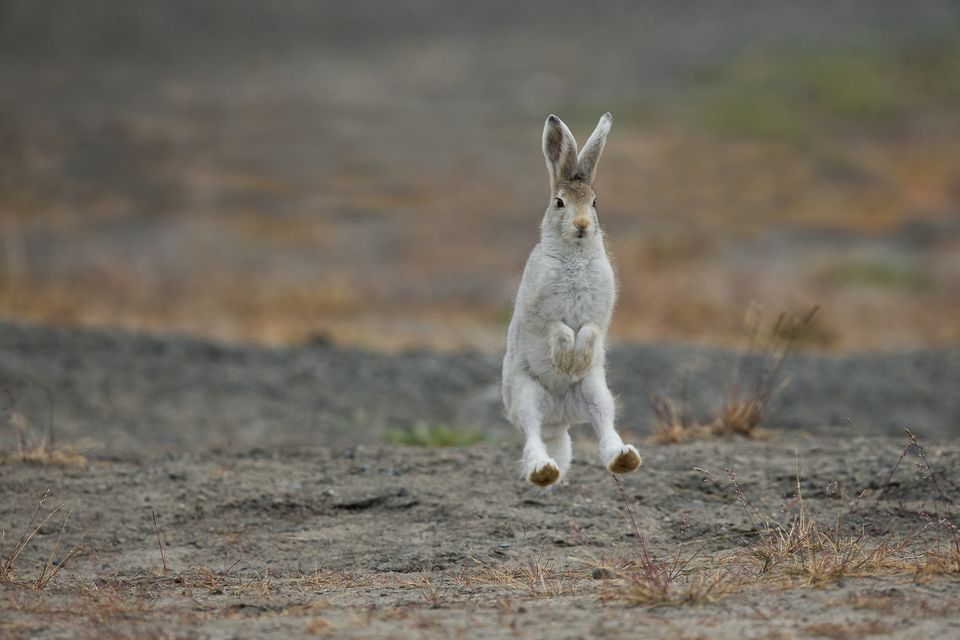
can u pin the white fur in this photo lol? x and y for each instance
(554, 368)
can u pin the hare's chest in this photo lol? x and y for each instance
(581, 291)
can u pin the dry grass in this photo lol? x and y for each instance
(151, 598)
(534, 578)
(798, 550)
(747, 399)
(145, 605)
(32, 446)
(201, 580)
(9, 572)
(680, 580)
(671, 423)
(802, 550)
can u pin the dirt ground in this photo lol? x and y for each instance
(118, 392)
(281, 516)
(332, 203)
(378, 542)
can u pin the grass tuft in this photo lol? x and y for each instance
(436, 435)
(797, 549)
(671, 423)
(747, 399)
(9, 573)
(31, 446)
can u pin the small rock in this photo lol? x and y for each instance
(601, 573)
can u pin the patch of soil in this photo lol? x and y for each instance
(376, 542)
(120, 392)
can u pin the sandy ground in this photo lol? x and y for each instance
(290, 527)
(418, 543)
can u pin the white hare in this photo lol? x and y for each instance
(553, 371)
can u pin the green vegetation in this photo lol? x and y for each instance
(877, 274)
(787, 96)
(767, 96)
(437, 435)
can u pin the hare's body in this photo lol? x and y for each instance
(573, 291)
(553, 371)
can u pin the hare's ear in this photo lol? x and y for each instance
(560, 150)
(587, 162)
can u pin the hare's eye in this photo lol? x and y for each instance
(594, 202)
(559, 203)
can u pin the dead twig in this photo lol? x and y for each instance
(156, 528)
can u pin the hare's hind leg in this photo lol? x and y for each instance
(598, 404)
(557, 441)
(526, 413)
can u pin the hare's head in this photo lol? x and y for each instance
(572, 213)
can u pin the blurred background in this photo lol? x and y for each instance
(370, 173)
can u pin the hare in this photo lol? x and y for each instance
(554, 368)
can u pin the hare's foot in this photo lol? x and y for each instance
(543, 474)
(622, 459)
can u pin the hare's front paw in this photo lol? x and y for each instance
(583, 355)
(562, 351)
(562, 359)
(622, 459)
(543, 474)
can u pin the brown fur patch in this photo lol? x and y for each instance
(576, 192)
(544, 476)
(626, 462)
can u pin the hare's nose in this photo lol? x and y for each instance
(581, 222)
